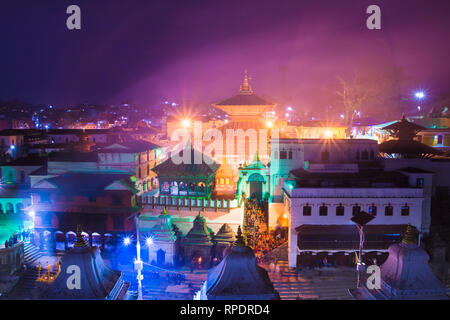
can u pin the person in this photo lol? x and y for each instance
(6, 243)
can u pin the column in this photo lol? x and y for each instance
(292, 247)
(102, 240)
(41, 240)
(66, 242)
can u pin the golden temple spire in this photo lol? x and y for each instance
(80, 240)
(245, 87)
(164, 211)
(410, 236)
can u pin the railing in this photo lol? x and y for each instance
(166, 201)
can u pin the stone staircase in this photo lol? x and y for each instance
(31, 253)
(27, 288)
(314, 284)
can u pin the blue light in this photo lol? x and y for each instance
(126, 241)
(12, 147)
(149, 241)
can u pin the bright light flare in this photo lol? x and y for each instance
(186, 123)
(127, 241)
(269, 124)
(419, 95)
(31, 213)
(149, 241)
(328, 134)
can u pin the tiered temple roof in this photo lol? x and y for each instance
(97, 280)
(163, 230)
(199, 235)
(225, 236)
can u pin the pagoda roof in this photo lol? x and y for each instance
(403, 124)
(163, 230)
(171, 167)
(97, 280)
(408, 148)
(244, 99)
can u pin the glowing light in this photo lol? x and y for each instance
(419, 94)
(285, 216)
(127, 241)
(149, 241)
(12, 147)
(328, 134)
(31, 213)
(342, 116)
(289, 108)
(186, 123)
(269, 124)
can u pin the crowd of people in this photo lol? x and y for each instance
(22, 235)
(256, 230)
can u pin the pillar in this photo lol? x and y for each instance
(90, 239)
(102, 240)
(292, 247)
(66, 242)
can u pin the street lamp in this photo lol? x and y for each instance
(420, 95)
(138, 264)
(360, 220)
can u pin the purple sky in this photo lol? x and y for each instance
(144, 51)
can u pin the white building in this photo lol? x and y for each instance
(320, 204)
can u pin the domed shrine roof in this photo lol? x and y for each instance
(97, 280)
(406, 274)
(238, 277)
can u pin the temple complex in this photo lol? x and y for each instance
(238, 277)
(406, 274)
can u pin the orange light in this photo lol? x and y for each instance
(186, 123)
(328, 134)
(269, 124)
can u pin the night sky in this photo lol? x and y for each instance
(144, 51)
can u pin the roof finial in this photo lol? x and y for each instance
(164, 211)
(239, 238)
(410, 236)
(80, 240)
(245, 87)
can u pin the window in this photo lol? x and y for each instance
(92, 198)
(356, 210)
(389, 211)
(340, 210)
(275, 154)
(307, 210)
(283, 155)
(357, 155)
(373, 210)
(372, 155)
(364, 155)
(419, 182)
(290, 155)
(405, 211)
(419, 138)
(323, 210)
(325, 156)
(440, 139)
